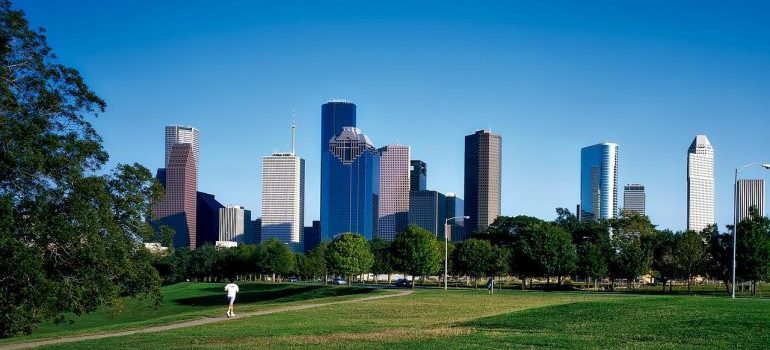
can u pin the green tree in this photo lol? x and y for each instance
(383, 261)
(316, 261)
(690, 254)
(275, 258)
(348, 254)
(664, 259)
(475, 258)
(416, 252)
(753, 253)
(719, 258)
(69, 233)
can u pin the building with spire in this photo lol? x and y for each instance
(700, 184)
(283, 197)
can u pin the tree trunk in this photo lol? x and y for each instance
(412, 281)
(689, 279)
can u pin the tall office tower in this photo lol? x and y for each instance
(248, 229)
(312, 235)
(418, 178)
(483, 171)
(335, 115)
(427, 209)
(283, 198)
(751, 193)
(231, 224)
(455, 208)
(393, 210)
(177, 208)
(700, 184)
(599, 182)
(353, 186)
(207, 219)
(182, 134)
(634, 199)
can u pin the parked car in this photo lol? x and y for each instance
(293, 279)
(339, 281)
(403, 283)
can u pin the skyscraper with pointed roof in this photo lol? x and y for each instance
(700, 184)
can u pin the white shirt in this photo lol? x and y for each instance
(231, 289)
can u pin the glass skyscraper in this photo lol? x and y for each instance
(427, 209)
(418, 178)
(599, 181)
(335, 115)
(350, 185)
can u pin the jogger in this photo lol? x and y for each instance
(231, 290)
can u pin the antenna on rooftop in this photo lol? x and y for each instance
(293, 130)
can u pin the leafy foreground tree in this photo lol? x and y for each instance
(416, 252)
(475, 258)
(383, 261)
(349, 255)
(690, 255)
(753, 249)
(68, 238)
(275, 258)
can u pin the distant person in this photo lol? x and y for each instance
(491, 285)
(231, 290)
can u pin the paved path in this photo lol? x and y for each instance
(191, 323)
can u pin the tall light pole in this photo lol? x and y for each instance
(446, 248)
(735, 214)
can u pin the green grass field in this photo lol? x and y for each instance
(460, 319)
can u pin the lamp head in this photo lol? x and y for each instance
(468, 217)
(766, 166)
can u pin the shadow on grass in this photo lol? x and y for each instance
(278, 294)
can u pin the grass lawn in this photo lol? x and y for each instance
(185, 301)
(460, 319)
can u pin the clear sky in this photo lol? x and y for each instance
(549, 76)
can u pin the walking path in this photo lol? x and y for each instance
(191, 323)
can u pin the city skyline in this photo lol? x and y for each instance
(532, 75)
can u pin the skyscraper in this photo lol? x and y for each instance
(335, 115)
(207, 218)
(182, 134)
(232, 226)
(283, 198)
(483, 172)
(177, 208)
(418, 178)
(634, 199)
(394, 191)
(700, 184)
(599, 181)
(751, 193)
(427, 209)
(352, 186)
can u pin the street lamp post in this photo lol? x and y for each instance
(735, 215)
(446, 248)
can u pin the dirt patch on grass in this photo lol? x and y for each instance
(399, 334)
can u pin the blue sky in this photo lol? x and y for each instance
(549, 76)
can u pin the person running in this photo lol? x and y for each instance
(491, 285)
(231, 290)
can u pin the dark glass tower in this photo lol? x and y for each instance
(483, 165)
(335, 115)
(418, 178)
(353, 186)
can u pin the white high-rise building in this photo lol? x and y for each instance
(700, 184)
(231, 224)
(283, 198)
(182, 134)
(393, 209)
(751, 193)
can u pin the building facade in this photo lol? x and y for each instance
(335, 115)
(178, 207)
(751, 193)
(427, 209)
(232, 226)
(312, 235)
(599, 182)
(283, 199)
(418, 176)
(634, 199)
(393, 208)
(182, 134)
(455, 208)
(353, 186)
(207, 218)
(483, 175)
(700, 184)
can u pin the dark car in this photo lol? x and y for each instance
(403, 283)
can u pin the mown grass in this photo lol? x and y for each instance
(434, 319)
(185, 301)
